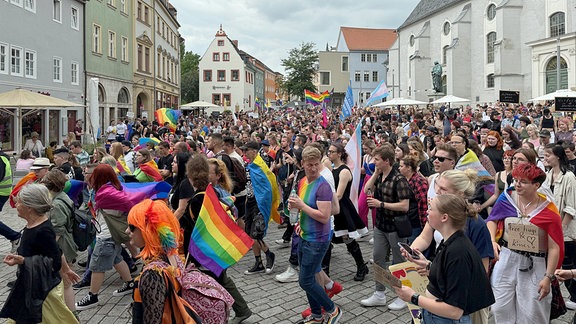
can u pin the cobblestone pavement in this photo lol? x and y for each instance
(270, 301)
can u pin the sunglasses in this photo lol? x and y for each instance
(440, 158)
(132, 227)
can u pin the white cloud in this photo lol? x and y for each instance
(269, 29)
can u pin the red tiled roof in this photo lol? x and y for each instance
(358, 39)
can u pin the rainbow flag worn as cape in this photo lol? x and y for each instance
(217, 242)
(546, 217)
(131, 194)
(73, 188)
(30, 177)
(265, 190)
(171, 116)
(470, 161)
(151, 169)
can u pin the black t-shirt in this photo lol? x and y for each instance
(165, 163)
(71, 172)
(41, 240)
(286, 169)
(457, 275)
(181, 191)
(188, 220)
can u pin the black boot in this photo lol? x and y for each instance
(361, 267)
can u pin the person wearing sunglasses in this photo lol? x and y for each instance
(524, 272)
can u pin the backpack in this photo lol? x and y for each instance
(84, 227)
(237, 172)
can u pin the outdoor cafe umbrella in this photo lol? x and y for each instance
(399, 102)
(21, 98)
(557, 93)
(450, 99)
(199, 104)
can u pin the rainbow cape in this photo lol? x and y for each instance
(30, 177)
(265, 190)
(131, 194)
(142, 142)
(217, 242)
(151, 169)
(470, 161)
(546, 217)
(168, 115)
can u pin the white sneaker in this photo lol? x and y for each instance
(397, 304)
(290, 275)
(282, 243)
(570, 304)
(371, 242)
(374, 300)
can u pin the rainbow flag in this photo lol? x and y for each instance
(257, 103)
(131, 194)
(326, 96)
(312, 97)
(265, 190)
(143, 140)
(217, 242)
(171, 116)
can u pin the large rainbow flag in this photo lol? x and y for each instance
(265, 190)
(217, 242)
(315, 98)
(168, 115)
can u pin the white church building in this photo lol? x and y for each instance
(484, 46)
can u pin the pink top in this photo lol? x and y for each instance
(24, 164)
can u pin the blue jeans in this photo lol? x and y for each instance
(310, 256)
(429, 318)
(6, 231)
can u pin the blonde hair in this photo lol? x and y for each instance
(463, 182)
(220, 168)
(110, 160)
(116, 150)
(311, 153)
(456, 207)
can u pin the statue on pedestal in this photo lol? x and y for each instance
(437, 77)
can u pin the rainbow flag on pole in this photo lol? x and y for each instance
(168, 115)
(217, 242)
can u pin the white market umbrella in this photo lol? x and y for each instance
(557, 93)
(23, 99)
(399, 102)
(199, 104)
(450, 99)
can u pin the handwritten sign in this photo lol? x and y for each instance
(386, 278)
(565, 103)
(407, 273)
(509, 96)
(523, 237)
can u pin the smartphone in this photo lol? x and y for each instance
(409, 250)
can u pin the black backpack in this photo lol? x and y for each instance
(237, 172)
(84, 227)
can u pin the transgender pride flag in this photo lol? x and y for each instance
(354, 162)
(380, 92)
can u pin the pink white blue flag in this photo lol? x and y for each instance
(380, 92)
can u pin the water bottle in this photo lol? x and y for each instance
(293, 211)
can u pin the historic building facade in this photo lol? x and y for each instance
(485, 46)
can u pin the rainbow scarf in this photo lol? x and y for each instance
(265, 190)
(217, 242)
(310, 229)
(470, 161)
(171, 116)
(547, 218)
(151, 170)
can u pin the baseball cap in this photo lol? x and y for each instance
(40, 163)
(432, 129)
(544, 133)
(61, 150)
(265, 142)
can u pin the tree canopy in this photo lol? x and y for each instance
(301, 68)
(189, 81)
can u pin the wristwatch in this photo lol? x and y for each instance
(414, 299)
(550, 276)
(382, 204)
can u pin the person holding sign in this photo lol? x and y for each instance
(458, 283)
(529, 247)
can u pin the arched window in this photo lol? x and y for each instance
(491, 11)
(101, 93)
(490, 39)
(411, 40)
(552, 76)
(446, 28)
(490, 80)
(444, 53)
(557, 26)
(123, 96)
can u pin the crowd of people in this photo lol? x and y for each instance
(456, 184)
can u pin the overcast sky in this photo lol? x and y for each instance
(268, 29)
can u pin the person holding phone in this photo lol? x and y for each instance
(458, 283)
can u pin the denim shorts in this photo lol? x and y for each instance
(429, 318)
(105, 255)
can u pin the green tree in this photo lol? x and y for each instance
(301, 67)
(189, 81)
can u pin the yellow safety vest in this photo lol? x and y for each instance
(6, 183)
